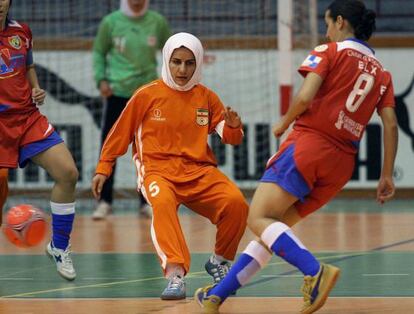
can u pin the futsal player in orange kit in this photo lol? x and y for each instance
(168, 122)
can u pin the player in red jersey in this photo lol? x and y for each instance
(344, 84)
(25, 134)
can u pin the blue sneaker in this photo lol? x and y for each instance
(316, 289)
(175, 289)
(217, 271)
(209, 304)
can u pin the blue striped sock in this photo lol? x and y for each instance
(231, 282)
(62, 227)
(288, 247)
(254, 258)
(63, 215)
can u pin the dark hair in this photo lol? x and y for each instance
(361, 19)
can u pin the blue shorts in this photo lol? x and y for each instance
(283, 172)
(311, 168)
(32, 149)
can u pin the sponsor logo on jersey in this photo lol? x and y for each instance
(15, 42)
(202, 117)
(157, 115)
(311, 61)
(4, 69)
(9, 63)
(49, 128)
(346, 123)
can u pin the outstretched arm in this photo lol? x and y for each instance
(120, 136)
(303, 98)
(115, 145)
(386, 188)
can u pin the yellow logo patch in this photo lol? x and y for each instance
(15, 42)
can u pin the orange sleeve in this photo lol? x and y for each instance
(121, 134)
(233, 136)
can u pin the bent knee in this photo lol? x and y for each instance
(69, 175)
(237, 205)
(163, 207)
(72, 175)
(251, 221)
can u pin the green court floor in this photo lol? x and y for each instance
(374, 273)
(127, 206)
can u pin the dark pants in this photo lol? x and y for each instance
(113, 107)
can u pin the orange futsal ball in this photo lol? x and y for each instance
(25, 225)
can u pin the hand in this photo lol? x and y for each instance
(279, 128)
(385, 189)
(231, 118)
(38, 96)
(105, 89)
(97, 184)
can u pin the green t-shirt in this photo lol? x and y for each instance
(124, 50)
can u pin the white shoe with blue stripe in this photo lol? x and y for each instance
(63, 261)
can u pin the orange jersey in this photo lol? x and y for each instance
(169, 131)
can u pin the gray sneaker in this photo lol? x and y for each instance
(102, 211)
(175, 289)
(217, 271)
(63, 261)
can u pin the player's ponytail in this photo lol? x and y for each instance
(361, 19)
(367, 26)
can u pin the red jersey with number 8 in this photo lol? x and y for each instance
(355, 84)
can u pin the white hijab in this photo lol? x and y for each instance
(176, 41)
(126, 9)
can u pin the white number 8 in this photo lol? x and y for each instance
(353, 105)
(154, 188)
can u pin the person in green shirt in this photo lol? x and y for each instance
(124, 58)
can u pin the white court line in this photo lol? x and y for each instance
(282, 276)
(157, 298)
(15, 279)
(373, 275)
(103, 278)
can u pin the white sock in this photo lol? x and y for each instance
(174, 270)
(217, 259)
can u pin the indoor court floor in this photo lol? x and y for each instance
(118, 272)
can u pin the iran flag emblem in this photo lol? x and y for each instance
(202, 117)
